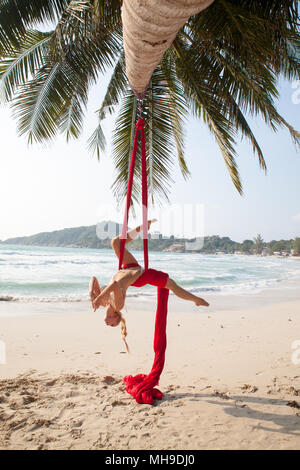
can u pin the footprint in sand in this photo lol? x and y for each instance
(77, 424)
(39, 423)
(119, 403)
(27, 399)
(72, 393)
(64, 410)
(76, 433)
(15, 425)
(50, 383)
(249, 388)
(223, 395)
(109, 380)
(293, 404)
(291, 390)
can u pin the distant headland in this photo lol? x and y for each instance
(86, 237)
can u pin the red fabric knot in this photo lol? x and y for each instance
(140, 123)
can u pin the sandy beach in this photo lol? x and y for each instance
(230, 381)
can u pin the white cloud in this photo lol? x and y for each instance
(296, 218)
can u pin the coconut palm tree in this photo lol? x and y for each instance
(259, 243)
(223, 65)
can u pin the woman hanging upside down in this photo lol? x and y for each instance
(132, 274)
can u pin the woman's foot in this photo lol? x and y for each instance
(202, 302)
(152, 221)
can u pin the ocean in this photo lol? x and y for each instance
(52, 274)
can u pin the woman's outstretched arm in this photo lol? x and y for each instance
(104, 298)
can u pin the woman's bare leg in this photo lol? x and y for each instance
(128, 257)
(184, 294)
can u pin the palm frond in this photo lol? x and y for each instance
(242, 125)
(116, 89)
(255, 32)
(117, 86)
(211, 71)
(97, 142)
(39, 103)
(121, 141)
(72, 115)
(164, 109)
(23, 62)
(109, 10)
(233, 54)
(223, 135)
(78, 23)
(53, 101)
(72, 71)
(178, 108)
(17, 16)
(205, 104)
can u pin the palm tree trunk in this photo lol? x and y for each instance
(149, 28)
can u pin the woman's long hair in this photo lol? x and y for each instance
(123, 329)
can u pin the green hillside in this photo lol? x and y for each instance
(86, 237)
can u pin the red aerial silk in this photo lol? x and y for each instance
(141, 386)
(139, 128)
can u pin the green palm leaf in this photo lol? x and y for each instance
(18, 15)
(56, 96)
(116, 89)
(38, 105)
(178, 108)
(206, 105)
(23, 63)
(121, 141)
(72, 116)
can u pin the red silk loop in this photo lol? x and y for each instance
(142, 386)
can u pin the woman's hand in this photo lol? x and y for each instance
(104, 298)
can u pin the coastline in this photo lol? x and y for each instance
(151, 249)
(227, 380)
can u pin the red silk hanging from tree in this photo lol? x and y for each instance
(139, 130)
(141, 386)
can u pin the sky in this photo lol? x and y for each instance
(45, 188)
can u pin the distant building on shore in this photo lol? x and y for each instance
(176, 248)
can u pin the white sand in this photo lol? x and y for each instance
(227, 380)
